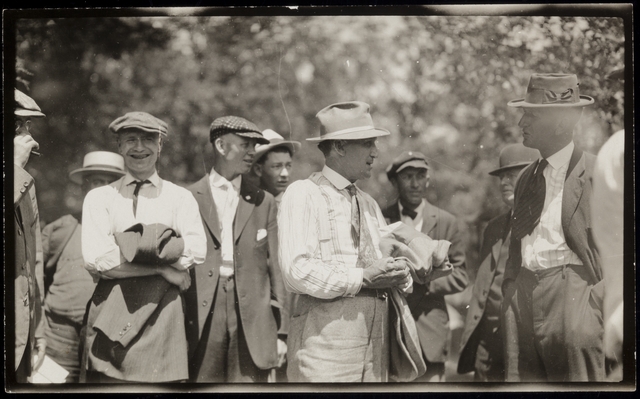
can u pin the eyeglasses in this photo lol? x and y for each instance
(26, 124)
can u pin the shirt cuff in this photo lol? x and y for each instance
(354, 281)
(108, 261)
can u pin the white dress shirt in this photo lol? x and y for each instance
(226, 195)
(419, 219)
(546, 246)
(303, 269)
(109, 209)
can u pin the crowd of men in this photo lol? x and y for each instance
(243, 277)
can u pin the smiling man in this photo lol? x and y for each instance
(329, 236)
(135, 324)
(234, 303)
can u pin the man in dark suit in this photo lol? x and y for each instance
(409, 174)
(30, 343)
(235, 300)
(553, 280)
(482, 338)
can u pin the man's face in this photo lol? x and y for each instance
(140, 151)
(97, 179)
(412, 185)
(539, 126)
(275, 172)
(23, 125)
(238, 152)
(507, 183)
(359, 156)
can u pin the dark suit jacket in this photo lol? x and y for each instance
(259, 284)
(29, 312)
(494, 236)
(427, 301)
(576, 216)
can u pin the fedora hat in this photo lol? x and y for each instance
(347, 121)
(515, 156)
(275, 140)
(99, 161)
(552, 90)
(26, 106)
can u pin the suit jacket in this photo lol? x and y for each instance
(259, 285)
(490, 251)
(29, 312)
(576, 216)
(427, 301)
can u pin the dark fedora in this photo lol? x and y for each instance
(515, 156)
(552, 90)
(347, 121)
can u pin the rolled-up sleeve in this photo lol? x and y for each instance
(99, 248)
(303, 269)
(190, 227)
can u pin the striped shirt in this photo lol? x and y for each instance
(303, 269)
(109, 209)
(546, 246)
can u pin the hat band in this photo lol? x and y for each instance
(546, 96)
(114, 168)
(349, 130)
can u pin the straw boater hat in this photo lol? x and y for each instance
(552, 90)
(26, 106)
(347, 121)
(101, 162)
(515, 156)
(275, 140)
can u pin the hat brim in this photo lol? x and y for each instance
(359, 135)
(253, 135)
(497, 172)
(28, 112)
(293, 146)
(76, 175)
(521, 103)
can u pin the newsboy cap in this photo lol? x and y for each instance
(26, 106)
(552, 90)
(139, 121)
(408, 159)
(236, 125)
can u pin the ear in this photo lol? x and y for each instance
(428, 180)
(338, 146)
(257, 169)
(394, 182)
(160, 143)
(218, 145)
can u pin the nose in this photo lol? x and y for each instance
(413, 183)
(284, 172)
(522, 122)
(374, 150)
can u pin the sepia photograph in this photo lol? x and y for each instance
(435, 198)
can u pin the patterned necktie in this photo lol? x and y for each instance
(409, 212)
(528, 210)
(366, 252)
(135, 193)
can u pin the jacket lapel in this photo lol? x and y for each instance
(573, 184)
(207, 206)
(246, 203)
(497, 246)
(430, 218)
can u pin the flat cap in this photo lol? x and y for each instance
(26, 106)
(139, 121)
(408, 159)
(236, 125)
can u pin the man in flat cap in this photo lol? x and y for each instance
(553, 285)
(30, 343)
(135, 324)
(234, 303)
(409, 174)
(329, 236)
(482, 339)
(67, 284)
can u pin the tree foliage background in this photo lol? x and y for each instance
(440, 84)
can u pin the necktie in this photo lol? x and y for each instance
(135, 193)
(409, 212)
(366, 252)
(528, 210)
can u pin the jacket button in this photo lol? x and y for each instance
(22, 190)
(210, 273)
(475, 317)
(26, 184)
(128, 324)
(204, 303)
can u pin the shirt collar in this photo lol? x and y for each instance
(154, 179)
(217, 180)
(562, 157)
(335, 178)
(418, 210)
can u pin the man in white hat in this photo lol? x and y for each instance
(329, 236)
(272, 163)
(67, 285)
(553, 279)
(30, 344)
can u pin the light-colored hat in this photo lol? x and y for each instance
(139, 121)
(275, 140)
(552, 90)
(347, 121)
(515, 156)
(99, 161)
(26, 106)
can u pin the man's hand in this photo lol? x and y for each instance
(38, 358)
(386, 273)
(179, 278)
(22, 146)
(282, 352)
